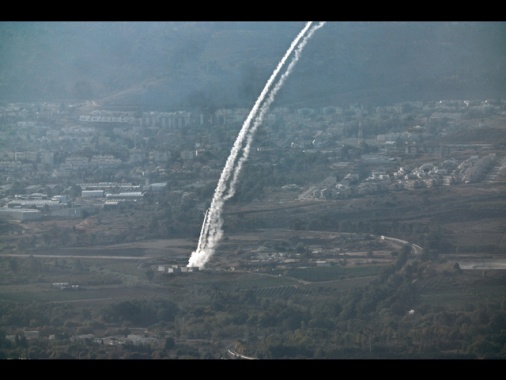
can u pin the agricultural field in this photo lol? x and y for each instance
(430, 282)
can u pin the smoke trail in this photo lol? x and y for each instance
(211, 231)
(212, 226)
(202, 230)
(265, 107)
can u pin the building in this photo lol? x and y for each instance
(92, 193)
(21, 214)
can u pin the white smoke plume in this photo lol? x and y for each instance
(211, 232)
(263, 110)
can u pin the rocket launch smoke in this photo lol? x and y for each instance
(211, 231)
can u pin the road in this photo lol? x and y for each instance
(78, 256)
(236, 355)
(415, 249)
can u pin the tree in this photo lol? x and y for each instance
(13, 264)
(77, 267)
(150, 274)
(169, 343)
(74, 190)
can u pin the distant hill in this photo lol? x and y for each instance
(170, 65)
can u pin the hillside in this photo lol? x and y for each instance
(171, 65)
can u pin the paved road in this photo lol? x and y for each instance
(415, 249)
(235, 355)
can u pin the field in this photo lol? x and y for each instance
(112, 273)
(470, 219)
(264, 261)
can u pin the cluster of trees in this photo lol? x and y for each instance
(387, 318)
(478, 170)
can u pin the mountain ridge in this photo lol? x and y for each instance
(225, 64)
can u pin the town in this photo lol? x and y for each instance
(63, 161)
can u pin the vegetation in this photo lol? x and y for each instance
(406, 309)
